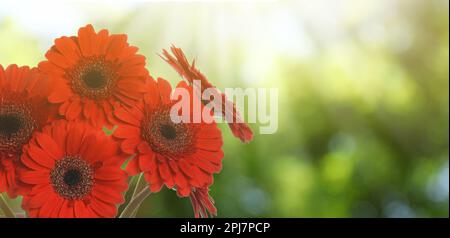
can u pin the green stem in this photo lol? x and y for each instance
(140, 185)
(135, 203)
(7, 211)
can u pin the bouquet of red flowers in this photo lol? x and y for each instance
(74, 129)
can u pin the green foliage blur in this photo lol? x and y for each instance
(363, 104)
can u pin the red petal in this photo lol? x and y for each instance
(67, 210)
(48, 207)
(186, 168)
(212, 156)
(40, 157)
(129, 145)
(205, 178)
(84, 39)
(56, 58)
(125, 132)
(132, 85)
(182, 185)
(209, 144)
(133, 167)
(103, 209)
(166, 175)
(207, 166)
(81, 210)
(164, 90)
(126, 116)
(154, 180)
(63, 108)
(209, 132)
(88, 108)
(60, 94)
(144, 148)
(57, 207)
(33, 177)
(146, 162)
(89, 147)
(109, 173)
(68, 48)
(241, 131)
(152, 98)
(74, 109)
(74, 140)
(103, 39)
(29, 163)
(37, 200)
(50, 146)
(107, 194)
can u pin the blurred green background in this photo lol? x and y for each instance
(363, 105)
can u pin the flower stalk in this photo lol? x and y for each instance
(135, 202)
(140, 185)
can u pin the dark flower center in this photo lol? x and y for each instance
(168, 131)
(9, 124)
(72, 178)
(166, 137)
(94, 79)
(16, 127)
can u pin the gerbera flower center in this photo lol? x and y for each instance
(72, 178)
(165, 136)
(93, 78)
(16, 127)
(9, 124)
(168, 131)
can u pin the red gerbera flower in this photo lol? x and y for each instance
(183, 156)
(190, 73)
(93, 74)
(72, 170)
(23, 110)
